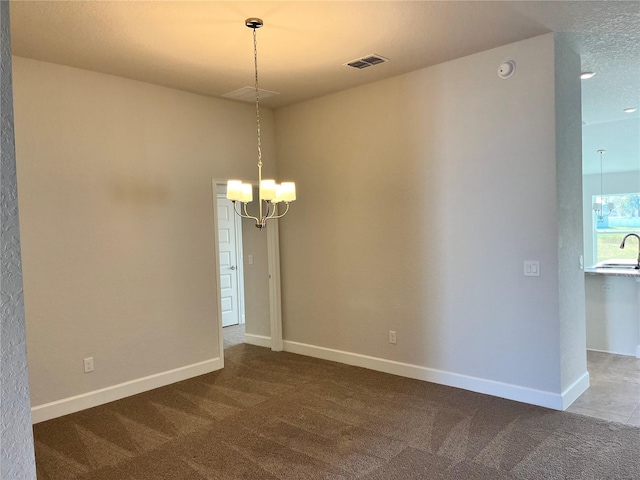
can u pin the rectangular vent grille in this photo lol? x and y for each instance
(367, 61)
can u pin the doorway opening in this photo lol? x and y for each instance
(612, 301)
(231, 258)
(248, 273)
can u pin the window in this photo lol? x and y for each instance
(623, 218)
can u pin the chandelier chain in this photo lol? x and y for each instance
(602, 204)
(601, 183)
(255, 63)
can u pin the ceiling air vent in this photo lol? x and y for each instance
(367, 61)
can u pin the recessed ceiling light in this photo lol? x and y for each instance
(630, 110)
(587, 75)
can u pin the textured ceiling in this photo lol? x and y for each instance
(204, 47)
(607, 37)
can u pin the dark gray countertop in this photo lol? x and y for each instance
(608, 267)
(616, 272)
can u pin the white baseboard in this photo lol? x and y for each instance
(47, 411)
(627, 354)
(258, 340)
(480, 385)
(573, 391)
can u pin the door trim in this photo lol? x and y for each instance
(273, 261)
(275, 296)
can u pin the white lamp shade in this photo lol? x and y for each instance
(234, 190)
(278, 197)
(247, 193)
(288, 191)
(268, 189)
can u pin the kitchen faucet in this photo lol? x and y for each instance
(637, 267)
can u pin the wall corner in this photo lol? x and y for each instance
(568, 116)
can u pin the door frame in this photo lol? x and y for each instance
(273, 263)
(240, 267)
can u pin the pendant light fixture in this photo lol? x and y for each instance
(601, 208)
(270, 193)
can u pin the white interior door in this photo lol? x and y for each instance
(228, 263)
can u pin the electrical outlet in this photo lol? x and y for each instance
(88, 365)
(392, 337)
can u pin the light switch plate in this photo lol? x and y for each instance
(531, 268)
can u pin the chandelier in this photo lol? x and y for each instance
(270, 193)
(601, 208)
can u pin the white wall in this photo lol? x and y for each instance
(117, 223)
(16, 437)
(419, 199)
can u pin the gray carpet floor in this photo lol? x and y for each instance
(233, 335)
(270, 416)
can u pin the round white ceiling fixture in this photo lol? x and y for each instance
(506, 69)
(587, 75)
(630, 110)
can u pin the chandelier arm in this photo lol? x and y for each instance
(268, 213)
(245, 214)
(275, 217)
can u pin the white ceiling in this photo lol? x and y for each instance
(204, 47)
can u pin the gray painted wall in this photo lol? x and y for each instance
(117, 223)
(573, 355)
(16, 437)
(424, 195)
(256, 279)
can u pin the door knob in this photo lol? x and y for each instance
(232, 267)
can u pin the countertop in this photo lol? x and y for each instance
(616, 272)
